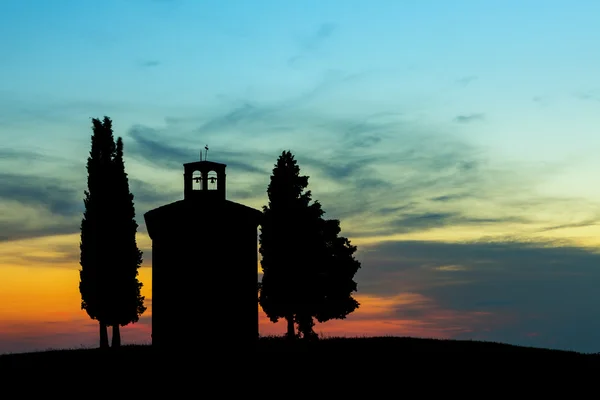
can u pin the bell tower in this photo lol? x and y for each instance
(204, 180)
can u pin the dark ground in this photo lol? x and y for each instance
(371, 347)
(403, 345)
(378, 365)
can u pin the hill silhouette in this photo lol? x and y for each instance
(373, 346)
(408, 345)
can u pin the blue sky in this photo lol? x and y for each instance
(420, 123)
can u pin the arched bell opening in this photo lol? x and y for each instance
(212, 180)
(197, 180)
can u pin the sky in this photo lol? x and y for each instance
(456, 142)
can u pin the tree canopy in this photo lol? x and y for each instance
(308, 270)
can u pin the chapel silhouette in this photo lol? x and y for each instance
(204, 264)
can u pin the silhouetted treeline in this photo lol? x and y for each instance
(110, 258)
(308, 270)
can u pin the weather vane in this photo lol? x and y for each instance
(205, 153)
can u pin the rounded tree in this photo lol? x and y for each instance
(308, 270)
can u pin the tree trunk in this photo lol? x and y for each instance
(305, 327)
(103, 336)
(116, 338)
(291, 332)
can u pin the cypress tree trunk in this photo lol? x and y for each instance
(116, 338)
(291, 332)
(103, 336)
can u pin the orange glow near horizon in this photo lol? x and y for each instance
(40, 303)
(376, 317)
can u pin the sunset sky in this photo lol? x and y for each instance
(457, 142)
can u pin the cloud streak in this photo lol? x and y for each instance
(466, 80)
(35, 205)
(54, 194)
(520, 287)
(150, 146)
(312, 44)
(150, 63)
(468, 118)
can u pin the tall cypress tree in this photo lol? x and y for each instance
(96, 227)
(110, 258)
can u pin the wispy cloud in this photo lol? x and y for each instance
(149, 63)
(588, 95)
(466, 80)
(54, 194)
(42, 252)
(153, 147)
(311, 45)
(36, 205)
(250, 114)
(464, 119)
(324, 31)
(530, 287)
(12, 155)
(449, 197)
(423, 221)
(40, 205)
(149, 148)
(35, 225)
(18, 111)
(149, 195)
(581, 224)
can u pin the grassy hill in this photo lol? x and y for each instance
(373, 347)
(372, 367)
(396, 345)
